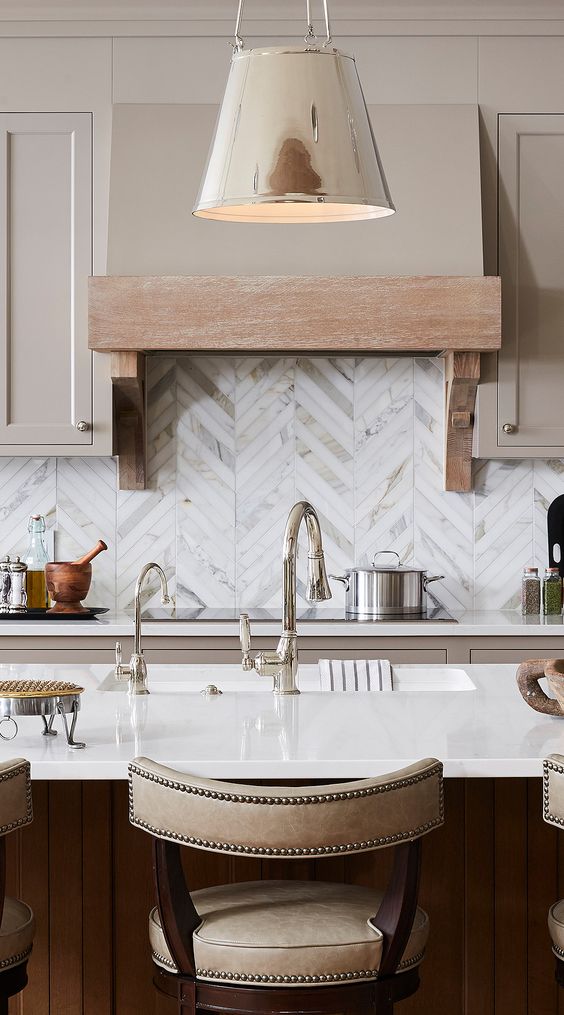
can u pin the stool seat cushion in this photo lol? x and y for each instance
(556, 928)
(289, 932)
(16, 933)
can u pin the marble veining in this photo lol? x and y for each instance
(234, 441)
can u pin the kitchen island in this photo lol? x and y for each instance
(489, 874)
(472, 718)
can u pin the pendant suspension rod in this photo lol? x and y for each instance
(310, 30)
(239, 41)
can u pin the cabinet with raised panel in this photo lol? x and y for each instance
(520, 399)
(48, 376)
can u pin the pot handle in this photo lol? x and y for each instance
(432, 578)
(395, 553)
(341, 578)
(528, 676)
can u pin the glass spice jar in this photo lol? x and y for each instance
(552, 592)
(530, 592)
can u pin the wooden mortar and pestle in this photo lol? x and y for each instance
(68, 582)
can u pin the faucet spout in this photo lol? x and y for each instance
(165, 599)
(136, 671)
(282, 665)
(317, 588)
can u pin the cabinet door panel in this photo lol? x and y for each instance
(531, 254)
(45, 261)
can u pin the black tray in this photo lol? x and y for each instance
(42, 614)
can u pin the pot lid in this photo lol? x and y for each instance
(390, 568)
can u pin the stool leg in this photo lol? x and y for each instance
(186, 1000)
(3, 1006)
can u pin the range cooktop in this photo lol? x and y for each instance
(435, 614)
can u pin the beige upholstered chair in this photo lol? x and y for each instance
(291, 946)
(17, 924)
(553, 813)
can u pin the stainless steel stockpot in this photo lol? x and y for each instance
(392, 591)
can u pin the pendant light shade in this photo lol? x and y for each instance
(293, 141)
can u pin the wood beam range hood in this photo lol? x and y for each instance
(409, 284)
(455, 316)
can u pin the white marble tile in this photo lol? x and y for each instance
(265, 453)
(146, 519)
(325, 461)
(205, 493)
(27, 486)
(443, 522)
(86, 512)
(503, 531)
(383, 473)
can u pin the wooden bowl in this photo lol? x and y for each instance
(68, 585)
(528, 676)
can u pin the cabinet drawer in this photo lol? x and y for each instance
(515, 655)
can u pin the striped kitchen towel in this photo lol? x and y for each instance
(355, 675)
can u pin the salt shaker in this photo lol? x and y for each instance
(13, 598)
(530, 591)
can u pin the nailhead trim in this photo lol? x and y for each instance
(360, 974)
(163, 960)
(28, 817)
(228, 847)
(550, 766)
(558, 951)
(15, 960)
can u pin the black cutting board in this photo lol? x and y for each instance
(42, 614)
(555, 525)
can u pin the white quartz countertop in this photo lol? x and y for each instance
(487, 623)
(470, 717)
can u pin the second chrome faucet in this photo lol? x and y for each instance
(136, 671)
(282, 664)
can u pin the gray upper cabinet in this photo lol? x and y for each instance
(46, 368)
(520, 403)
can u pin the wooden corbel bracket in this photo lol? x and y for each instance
(462, 375)
(128, 380)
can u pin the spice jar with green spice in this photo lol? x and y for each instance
(552, 592)
(530, 592)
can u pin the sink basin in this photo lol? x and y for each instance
(193, 678)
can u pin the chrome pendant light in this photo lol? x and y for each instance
(293, 140)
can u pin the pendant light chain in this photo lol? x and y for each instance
(309, 38)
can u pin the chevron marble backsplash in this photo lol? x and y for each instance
(234, 442)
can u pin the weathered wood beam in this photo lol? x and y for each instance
(305, 315)
(462, 375)
(128, 381)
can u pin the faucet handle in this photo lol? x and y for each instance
(245, 639)
(121, 672)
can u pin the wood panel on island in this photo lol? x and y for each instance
(457, 317)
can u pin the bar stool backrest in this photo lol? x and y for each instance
(553, 790)
(224, 817)
(15, 795)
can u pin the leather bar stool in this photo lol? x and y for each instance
(17, 925)
(287, 946)
(553, 813)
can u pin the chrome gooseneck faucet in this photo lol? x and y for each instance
(282, 664)
(136, 671)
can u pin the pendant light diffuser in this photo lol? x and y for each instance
(293, 141)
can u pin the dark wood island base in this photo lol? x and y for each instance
(489, 877)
